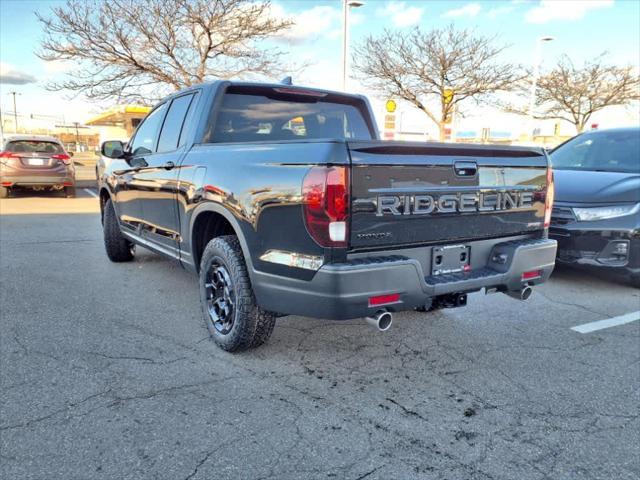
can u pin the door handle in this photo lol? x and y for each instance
(169, 165)
(465, 169)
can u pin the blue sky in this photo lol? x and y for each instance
(582, 29)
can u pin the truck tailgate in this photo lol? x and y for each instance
(418, 193)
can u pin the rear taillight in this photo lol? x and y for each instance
(66, 159)
(7, 155)
(325, 193)
(548, 204)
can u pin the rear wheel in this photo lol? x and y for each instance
(70, 192)
(228, 304)
(4, 192)
(118, 248)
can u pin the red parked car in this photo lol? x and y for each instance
(36, 162)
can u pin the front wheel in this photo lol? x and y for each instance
(228, 304)
(70, 192)
(118, 248)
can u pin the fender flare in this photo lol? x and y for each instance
(233, 221)
(106, 189)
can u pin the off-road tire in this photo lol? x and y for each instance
(70, 192)
(252, 326)
(4, 192)
(118, 248)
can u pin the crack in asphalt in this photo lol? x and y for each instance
(200, 463)
(370, 472)
(407, 411)
(71, 405)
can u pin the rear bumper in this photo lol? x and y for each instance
(38, 180)
(342, 291)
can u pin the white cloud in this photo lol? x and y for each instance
(309, 24)
(496, 12)
(468, 10)
(400, 14)
(550, 10)
(57, 66)
(10, 76)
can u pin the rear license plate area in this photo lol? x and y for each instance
(450, 259)
(36, 162)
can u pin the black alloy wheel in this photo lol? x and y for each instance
(221, 296)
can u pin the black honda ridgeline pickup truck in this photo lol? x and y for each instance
(285, 201)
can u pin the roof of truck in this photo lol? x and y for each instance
(216, 83)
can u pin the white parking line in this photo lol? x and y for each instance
(606, 323)
(91, 192)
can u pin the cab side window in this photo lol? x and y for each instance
(144, 141)
(173, 123)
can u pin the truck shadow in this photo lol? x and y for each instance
(581, 273)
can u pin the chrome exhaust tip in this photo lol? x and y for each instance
(382, 320)
(523, 294)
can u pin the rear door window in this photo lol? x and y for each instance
(173, 123)
(259, 117)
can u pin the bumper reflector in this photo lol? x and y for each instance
(384, 299)
(532, 274)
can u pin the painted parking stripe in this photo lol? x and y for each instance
(607, 323)
(91, 192)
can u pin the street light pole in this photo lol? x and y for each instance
(76, 124)
(15, 112)
(534, 81)
(346, 7)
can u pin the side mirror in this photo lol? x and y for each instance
(112, 149)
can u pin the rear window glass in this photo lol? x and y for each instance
(30, 146)
(255, 118)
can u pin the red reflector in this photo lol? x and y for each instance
(384, 299)
(67, 184)
(6, 184)
(531, 274)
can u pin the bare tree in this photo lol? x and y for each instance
(436, 70)
(573, 93)
(129, 49)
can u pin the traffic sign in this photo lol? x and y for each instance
(390, 106)
(447, 96)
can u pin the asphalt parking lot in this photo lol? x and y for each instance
(107, 372)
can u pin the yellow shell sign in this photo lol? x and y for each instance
(448, 96)
(390, 106)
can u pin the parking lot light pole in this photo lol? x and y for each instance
(346, 7)
(15, 112)
(537, 59)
